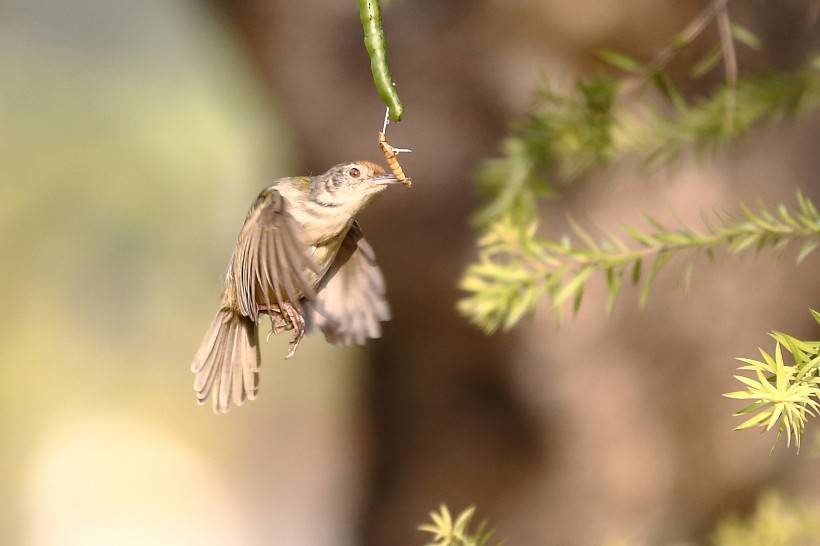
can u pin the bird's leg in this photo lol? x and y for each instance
(288, 317)
(272, 326)
(297, 322)
(276, 329)
(279, 321)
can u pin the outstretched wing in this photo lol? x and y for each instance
(350, 303)
(270, 264)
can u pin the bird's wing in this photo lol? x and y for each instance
(350, 303)
(270, 264)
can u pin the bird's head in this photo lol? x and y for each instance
(350, 186)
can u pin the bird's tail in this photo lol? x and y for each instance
(227, 361)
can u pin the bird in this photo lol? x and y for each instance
(300, 259)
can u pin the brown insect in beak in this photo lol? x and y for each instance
(390, 154)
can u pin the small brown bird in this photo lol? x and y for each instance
(302, 260)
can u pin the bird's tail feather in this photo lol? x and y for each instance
(227, 362)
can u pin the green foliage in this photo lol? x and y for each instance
(662, 137)
(567, 136)
(776, 522)
(449, 532)
(564, 137)
(745, 36)
(516, 269)
(783, 395)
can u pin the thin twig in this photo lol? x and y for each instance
(729, 63)
(688, 34)
(685, 37)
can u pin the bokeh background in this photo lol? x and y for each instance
(133, 136)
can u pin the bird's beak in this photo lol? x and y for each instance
(385, 180)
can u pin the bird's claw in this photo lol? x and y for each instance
(288, 317)
(297, 322)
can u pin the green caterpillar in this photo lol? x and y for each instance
(371, 17)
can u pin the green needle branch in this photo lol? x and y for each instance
(449, 532)
(776, 521)
(567, 136)
(516, 269)
(784, 396)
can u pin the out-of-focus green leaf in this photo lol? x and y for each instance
(620, 60)
(709, 62)
(745, 36)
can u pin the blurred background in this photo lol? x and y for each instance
(133, 137)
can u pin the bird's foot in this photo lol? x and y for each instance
(277, 328)
(279, 322)
(284, 318)
(297, 323)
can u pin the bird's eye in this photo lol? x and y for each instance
(355, 173)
